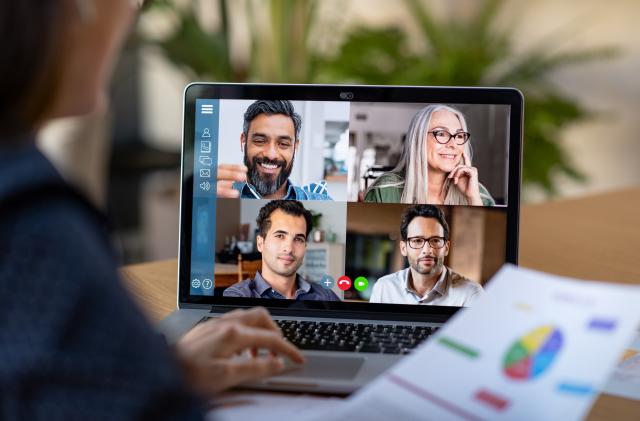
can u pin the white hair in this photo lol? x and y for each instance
(413, 167)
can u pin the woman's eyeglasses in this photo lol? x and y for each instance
(443, 137)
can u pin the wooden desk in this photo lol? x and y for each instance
(596, 237)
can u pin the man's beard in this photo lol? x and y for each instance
(437, 266)
(268, 185)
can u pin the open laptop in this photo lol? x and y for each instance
(350, 156)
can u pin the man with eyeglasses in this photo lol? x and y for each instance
(425, 243)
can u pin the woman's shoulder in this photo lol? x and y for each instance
(389, 177)
(487, 199)
(39, 210)
(57, 259)
(60, 235)
(386, 188)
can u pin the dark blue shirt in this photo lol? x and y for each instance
(258, 287)
(72, 343)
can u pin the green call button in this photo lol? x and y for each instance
(361, 283)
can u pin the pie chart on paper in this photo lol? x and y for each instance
(532, 354)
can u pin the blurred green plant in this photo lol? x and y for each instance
(472, 51)
(467, 51)
(278, 31)
(316, 218)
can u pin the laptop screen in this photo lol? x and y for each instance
(399, 203)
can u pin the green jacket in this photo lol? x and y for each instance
(393, 193)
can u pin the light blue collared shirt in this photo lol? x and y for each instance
(313, 191)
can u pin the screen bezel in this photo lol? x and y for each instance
(350, 93)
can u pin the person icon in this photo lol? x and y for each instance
(206, 133)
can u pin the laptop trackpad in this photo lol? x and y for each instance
(326, 367)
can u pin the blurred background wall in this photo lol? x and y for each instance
(576, 61)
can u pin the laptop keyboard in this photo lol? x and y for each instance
(354, 337)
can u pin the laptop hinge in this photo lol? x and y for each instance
(341, 314)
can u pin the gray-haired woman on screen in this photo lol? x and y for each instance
(435, 166)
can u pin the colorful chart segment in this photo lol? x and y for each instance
(533, 353)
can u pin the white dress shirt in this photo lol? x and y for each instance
(395, 289)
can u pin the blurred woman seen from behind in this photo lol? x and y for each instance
(74, 346)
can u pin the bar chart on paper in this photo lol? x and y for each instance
(532, 339)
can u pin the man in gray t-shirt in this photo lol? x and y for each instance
(425, 243)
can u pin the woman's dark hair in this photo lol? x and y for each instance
(290, 207)
(425, 211)
(268, 107)
(29, 71)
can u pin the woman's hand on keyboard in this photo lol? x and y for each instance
(208, 352)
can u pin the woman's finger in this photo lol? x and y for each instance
(257, 317)
(242, 371)
(236, 337)
(455, 173)
(456, 170)
(254, 317)
(463, 172)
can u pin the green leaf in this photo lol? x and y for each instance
(205, 54)
(534, 66)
